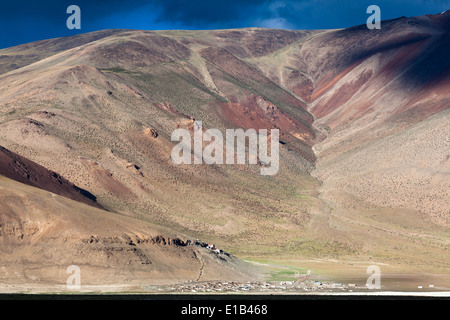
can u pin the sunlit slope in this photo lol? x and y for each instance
(363, 116)
(42, 234)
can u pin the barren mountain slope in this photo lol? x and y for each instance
(384, 104)
(42, 234)
(23, 170)
(364, 111)
(25, 54)
(101, 115)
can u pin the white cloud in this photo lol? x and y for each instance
(274, 23)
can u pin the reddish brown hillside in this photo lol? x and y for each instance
(23, 170)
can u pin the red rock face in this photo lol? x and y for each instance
(301, 85)
(383, 98)
(257, 113)
(356, 68)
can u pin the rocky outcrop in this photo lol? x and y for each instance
(151, 132)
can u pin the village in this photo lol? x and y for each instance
(266, 287)
(302, 283)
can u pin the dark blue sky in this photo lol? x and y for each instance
(26, 21)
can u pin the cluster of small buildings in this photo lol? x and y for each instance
(213, 248)
(275, 286)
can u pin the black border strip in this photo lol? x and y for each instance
(212, 297)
